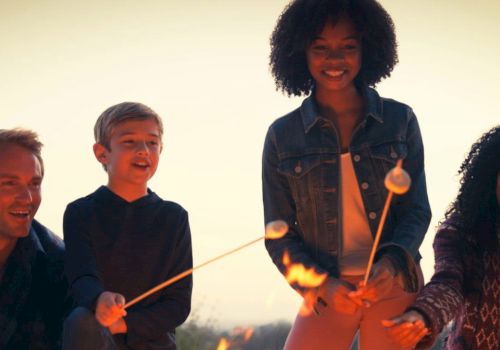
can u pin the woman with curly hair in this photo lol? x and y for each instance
(324, 166)
(466, 284)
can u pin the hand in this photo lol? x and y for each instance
(120, 326)
(334, 293)
(109, 308)
(377, 287)
(406, 330)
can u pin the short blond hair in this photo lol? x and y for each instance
(23, 138)
(119, 113)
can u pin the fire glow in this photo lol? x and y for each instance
(304, 277)
(239, 336)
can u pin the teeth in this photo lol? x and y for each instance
(334, 73)
(20, 213)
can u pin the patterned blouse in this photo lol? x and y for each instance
(465, 288)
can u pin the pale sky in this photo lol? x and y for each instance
(203, 66)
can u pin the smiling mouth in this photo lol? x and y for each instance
(141, 165)
(334, 73)
(21, 214)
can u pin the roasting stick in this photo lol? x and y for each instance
(396, 181)
(274, 230)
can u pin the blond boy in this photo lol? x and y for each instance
(123, 239)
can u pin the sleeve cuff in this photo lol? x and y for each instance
(404, 264)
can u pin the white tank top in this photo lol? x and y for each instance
(357, 239)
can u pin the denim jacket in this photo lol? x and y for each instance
(301, 178)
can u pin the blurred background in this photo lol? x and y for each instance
(203, 66)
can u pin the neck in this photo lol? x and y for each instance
(6, 248)
(128, 192)
(339, 102)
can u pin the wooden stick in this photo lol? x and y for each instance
(377, 236)
(186, 273)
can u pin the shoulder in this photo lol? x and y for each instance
(448, 235)
(50, 242)
(393, 109)
(87, 200)
(81, 205)
(290, 122)
(169, 208)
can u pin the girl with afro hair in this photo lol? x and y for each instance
(323, 173)
(466, 282)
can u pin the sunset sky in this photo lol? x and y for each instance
(203, 66)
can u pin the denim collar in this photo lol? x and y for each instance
(310, 113)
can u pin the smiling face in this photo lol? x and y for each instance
(334, 56)
(132, 157)
(20, 192)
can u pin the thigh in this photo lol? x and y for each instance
(327, 331)
(372, 333)
(82, 331)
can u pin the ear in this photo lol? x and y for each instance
(101, 153)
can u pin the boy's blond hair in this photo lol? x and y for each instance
(23, 138)
(119, 113)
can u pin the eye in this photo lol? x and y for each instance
(7, 183)
(36, 184)
(128, 141)
(319, 48)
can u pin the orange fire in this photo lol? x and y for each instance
(239, 336)
(224, 344)
(304, 277)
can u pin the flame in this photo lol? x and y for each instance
(223, 344)
(239, 336)
(247, 334)
(304, 277)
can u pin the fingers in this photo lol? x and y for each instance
(343, 303)
(406, 330)
(119, 299)
(406, 335)
(110, 308)
(376, 288)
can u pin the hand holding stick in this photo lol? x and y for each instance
(396, 181)
(274, 230)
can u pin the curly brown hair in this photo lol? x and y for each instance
(303, 20)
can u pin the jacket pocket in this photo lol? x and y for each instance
(304, 174)
(387, 154)
(298, 167)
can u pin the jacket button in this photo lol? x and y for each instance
(372, 215)
(298, 169)
(357, 158)
(365, 185)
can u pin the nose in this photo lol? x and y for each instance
(142, 148)
(335, 55)
(24, 195)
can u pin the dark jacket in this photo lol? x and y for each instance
(129, 248)
(33, 293)
(301, 178)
